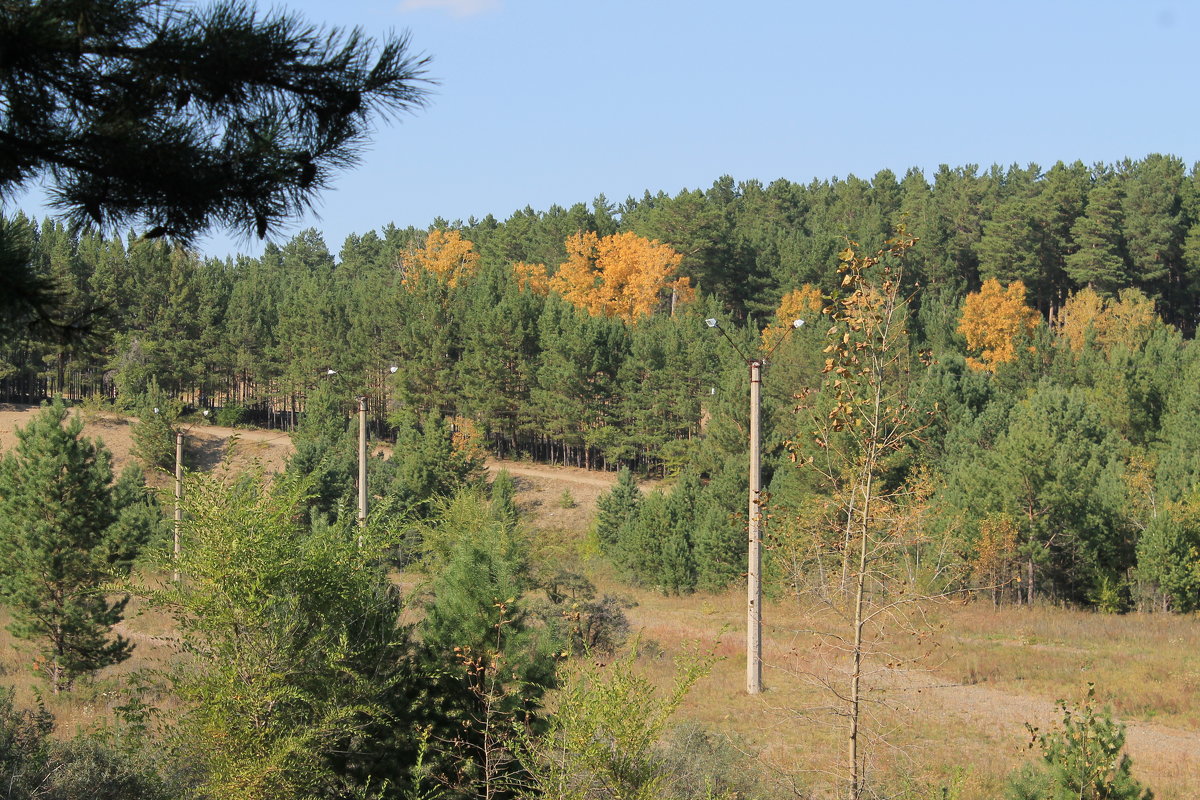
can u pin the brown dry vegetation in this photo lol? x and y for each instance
(959, 721)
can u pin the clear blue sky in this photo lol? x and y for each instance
(557, 101)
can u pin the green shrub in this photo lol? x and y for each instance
(580, 622)
(33, 766)
(1080, 760)
(230, 416)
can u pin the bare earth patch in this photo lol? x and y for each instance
(206, 445)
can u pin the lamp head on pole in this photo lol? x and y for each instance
(710, 322)
(797, 323)
(393, 369)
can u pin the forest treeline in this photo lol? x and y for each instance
(1050, 316)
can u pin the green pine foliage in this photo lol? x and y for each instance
(65, 537)
(489, 661)
(155, 429)
(720, 539)
(1168, 557)
(616, 509)
(503, 497)
(326, 450)
(1083, 758)
(426, 464)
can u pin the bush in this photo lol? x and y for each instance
(583, 624)
(33, 765)
(230, 416)
(706, 765)
(606, 729)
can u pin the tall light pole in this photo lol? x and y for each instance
(178, 550)
(362, 450)
(362, 460)
(754, 514)
(178, 501)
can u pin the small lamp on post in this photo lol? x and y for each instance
(754, 511)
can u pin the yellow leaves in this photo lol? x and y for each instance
(467, 438)
(532, 277)
(993, 319)
(803, 303)
(447, 255)
(1126, 321)
(623, 275)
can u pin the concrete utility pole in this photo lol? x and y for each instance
(754, 657)
(362, 460)
(178, 500)
(754, 571)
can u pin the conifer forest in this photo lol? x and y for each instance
(994, 397)
(955, 416)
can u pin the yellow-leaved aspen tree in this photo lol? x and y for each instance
(867, 532)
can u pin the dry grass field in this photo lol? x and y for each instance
(958, 719)
(955, 718)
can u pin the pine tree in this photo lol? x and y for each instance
(59, 531)
(183, 118)
(1100, 260)
(677, 573)
(720, 538)
(326, 450)
(616, 509)
(1057, 470)
(503, 497)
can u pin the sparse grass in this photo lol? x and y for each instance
(92, 700)
(960, 724)
(1144, 665)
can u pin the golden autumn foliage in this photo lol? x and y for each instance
(804, 303)
(623, 275)
(1126, 321)
(467, 438)
(992, 321)
(446, 254)
(532, 276)
(995, 565)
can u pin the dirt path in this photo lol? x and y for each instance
(555, 498)
(207, 445)
(571, 475)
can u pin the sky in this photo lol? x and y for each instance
(543, 102)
